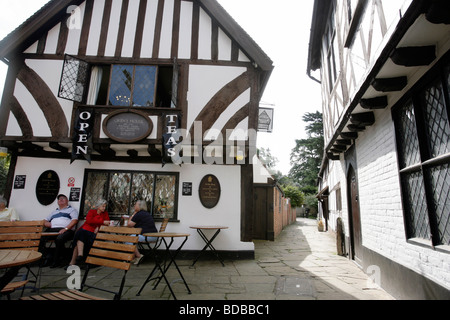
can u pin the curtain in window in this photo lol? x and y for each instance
(94, 87)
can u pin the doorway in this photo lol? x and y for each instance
(356, 249)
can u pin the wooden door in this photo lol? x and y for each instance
(355, 217)
(260, 204)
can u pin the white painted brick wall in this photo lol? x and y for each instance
(382, 220)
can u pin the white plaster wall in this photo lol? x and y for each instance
(382, 224)
(190, 210)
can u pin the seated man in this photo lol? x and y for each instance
(64, 221)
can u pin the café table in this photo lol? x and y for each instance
(13, 260)
(209, 241)
(163, 264)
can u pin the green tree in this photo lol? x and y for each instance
(4, 169)
(297, 197)
(307, 155)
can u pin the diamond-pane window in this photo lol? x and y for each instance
(423, 134)
(74, 79)
(122, 189)
(438, 128)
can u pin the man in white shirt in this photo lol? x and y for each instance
(64, 221)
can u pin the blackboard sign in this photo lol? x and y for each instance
(19, 182)
(127, 126)
(47, 187)
(209, 191)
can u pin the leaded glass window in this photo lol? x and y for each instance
(132, 86)
(423, 143)
(123, 188)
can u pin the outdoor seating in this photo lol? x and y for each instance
(149, 245)
(113, 247)
(21, 235)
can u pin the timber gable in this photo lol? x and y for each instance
(177, 35)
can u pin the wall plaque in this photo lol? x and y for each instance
(127, 126)
(209, 191)
(47, 187)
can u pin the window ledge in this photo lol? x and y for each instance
(426, 243)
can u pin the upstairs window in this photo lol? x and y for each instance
(132, 86)
(119, 85)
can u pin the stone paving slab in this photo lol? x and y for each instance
(301, 264)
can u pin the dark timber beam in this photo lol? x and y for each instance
(390, 84)
(414, 56)
(349, 135)
(355, 128)
(438, 12)
(344, 142)
(363, 119)
(374, 103)
(332, 156)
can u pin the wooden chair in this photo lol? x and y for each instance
(114, 248)
(21, 235)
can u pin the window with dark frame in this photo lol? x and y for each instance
(423, 144)
(121, 189)
(118, 84)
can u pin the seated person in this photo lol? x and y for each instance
(85, 236)
(64, 221)
(7, 214)
(141, 218)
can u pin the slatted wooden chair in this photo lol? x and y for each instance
(113, 248)
(21, 235)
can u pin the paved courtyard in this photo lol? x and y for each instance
(301, 264)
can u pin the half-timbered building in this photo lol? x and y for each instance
(135, 99)
(384, 71)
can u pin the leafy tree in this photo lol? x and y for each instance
(4, 168)
(297, 197)
(307, 155)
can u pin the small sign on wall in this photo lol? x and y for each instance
(187, 188)
(19, 182)
(209, 191)
(74, 194)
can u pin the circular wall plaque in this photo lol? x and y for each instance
(47, 187)
(127, 126)
(209, 191)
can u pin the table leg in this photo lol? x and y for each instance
(161, 269)
(208, 245)
(172, 260)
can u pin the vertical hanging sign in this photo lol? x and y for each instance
(82, 137)
(171, 136)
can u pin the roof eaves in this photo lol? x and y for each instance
(238, 34)
(32, 26)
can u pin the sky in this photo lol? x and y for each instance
(281, 28)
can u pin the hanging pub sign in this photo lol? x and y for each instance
(171, 136)
(47, 187)
(82, 138)
(265, 120)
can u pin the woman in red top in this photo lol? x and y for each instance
(85, 236)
